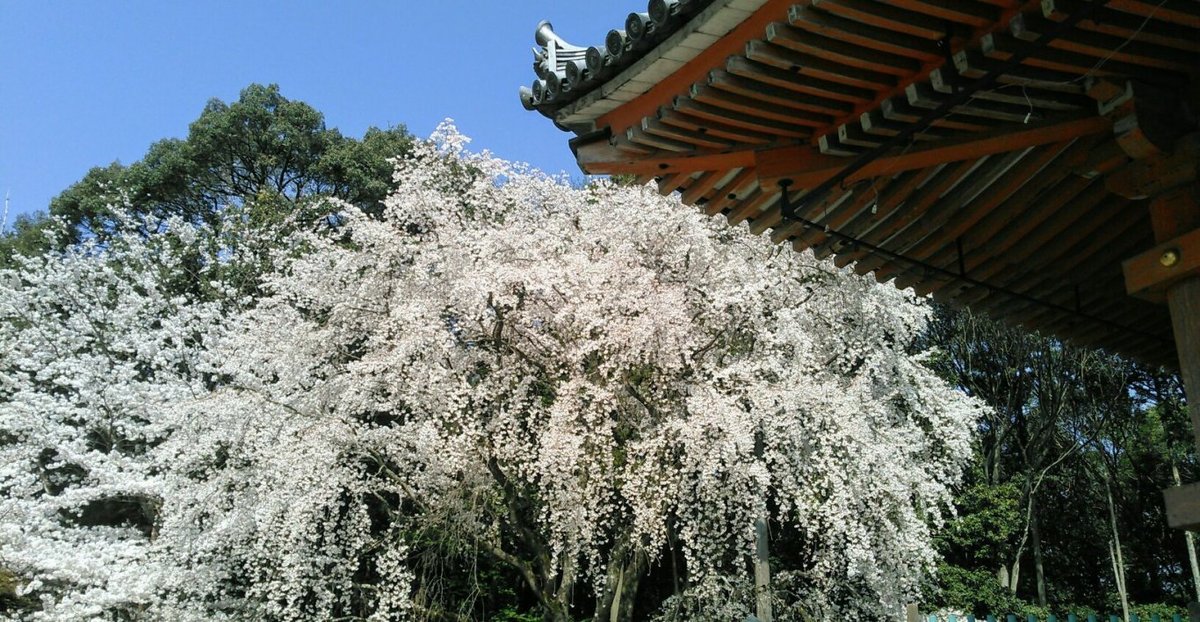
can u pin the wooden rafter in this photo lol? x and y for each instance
(1009, 201)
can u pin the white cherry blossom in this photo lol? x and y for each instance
(576, 382)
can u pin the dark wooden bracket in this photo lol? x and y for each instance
(1147, 120)
(1157, 174)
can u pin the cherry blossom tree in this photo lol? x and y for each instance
(596, 388)
(573, 381)
(95, 351)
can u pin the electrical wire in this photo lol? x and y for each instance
(962, 276)
(946, 107)
(1099, 64)
(789, 212)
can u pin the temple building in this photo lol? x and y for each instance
(1032, 160)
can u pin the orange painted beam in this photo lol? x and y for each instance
(754, 28)
(1150, 274)
(956, 44)
(672, 163)
(806, 168)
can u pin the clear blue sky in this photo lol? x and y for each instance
(85, 83)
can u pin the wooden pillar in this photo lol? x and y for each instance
(1170, 273)
(1154, 127)
(1175, 214)
(1184, 302)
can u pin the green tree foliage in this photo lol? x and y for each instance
(31, 235)
(1069, 427)
(261, 148)
(261, 163)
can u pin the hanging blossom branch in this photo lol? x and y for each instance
(572, 379)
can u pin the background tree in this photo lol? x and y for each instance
(1070, 429)
(263, 163)
(30, 235)
(261, 148)
(95, 348)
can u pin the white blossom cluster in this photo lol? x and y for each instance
(558, 377)
(95, 355)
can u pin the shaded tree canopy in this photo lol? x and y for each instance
(30, 235)
(1061, 509)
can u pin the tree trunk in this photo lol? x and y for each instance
(675, 574)
(612, 585)
(553, 585)
(762, 572)
(614, 610)
(1114, 552)
(1014, 575)
(1190, 540)
(993, 462)
(626, 590)
(1114, 555)
(1014, 572)
(1035, 534)
(625, 572)
(566, 585)
(762, 565)
(1027, 498)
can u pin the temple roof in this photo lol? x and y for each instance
(980, 151)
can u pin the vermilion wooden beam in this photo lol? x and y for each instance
(1158, 173)
(731, 192)
(886, 17)
(807, 167)
(701, 187)
(831, 26)
(839, 51)
(916, 25)
(806, 170)
(601, 158)
(754, 28)
(1177, 11)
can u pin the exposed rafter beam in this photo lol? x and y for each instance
(985, 82)
(808, 168)
(806, 171)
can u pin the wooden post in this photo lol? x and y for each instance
(1174, 214)
(1170, 177)
(1184, 302)
(1169, 272)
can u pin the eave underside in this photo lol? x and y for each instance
(1006, 205)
